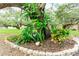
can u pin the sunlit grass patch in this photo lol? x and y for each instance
(10, 31)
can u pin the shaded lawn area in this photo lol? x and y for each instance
(10, 31)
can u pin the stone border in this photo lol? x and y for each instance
(69, 52)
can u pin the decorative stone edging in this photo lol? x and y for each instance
(68, 52)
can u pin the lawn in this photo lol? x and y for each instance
(10, 31)
(17, 31)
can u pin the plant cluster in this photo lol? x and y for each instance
(59, 35)
(30, 33)
(33, 31)
(35, 28)
(31, 10)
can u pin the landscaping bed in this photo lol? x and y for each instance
(49, 46)
(66, 52)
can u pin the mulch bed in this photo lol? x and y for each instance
(50, 46)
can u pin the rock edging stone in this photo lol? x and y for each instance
(69, 52)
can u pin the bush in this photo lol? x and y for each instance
(27, 34)
(31, 33)
(60, 35)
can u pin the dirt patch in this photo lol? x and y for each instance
(6, 50)
(50, 46)
(4, 36)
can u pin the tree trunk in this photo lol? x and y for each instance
(41, 10)
(46, 30)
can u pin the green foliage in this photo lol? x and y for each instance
(31, 10)
(33, 31)
(67, 14)
(34, 27)
(60, 35)
(27, 34)
(10, 18)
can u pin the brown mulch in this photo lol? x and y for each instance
(50, 46)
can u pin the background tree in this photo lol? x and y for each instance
(68, 14)
(9, 17)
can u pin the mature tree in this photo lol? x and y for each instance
(68, 14)
(10, 18)
(38, 13)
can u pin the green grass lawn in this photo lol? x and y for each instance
(17, 31)
(10, 31)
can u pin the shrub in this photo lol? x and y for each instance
(60, 35)
(33, 32)
(27, 34)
